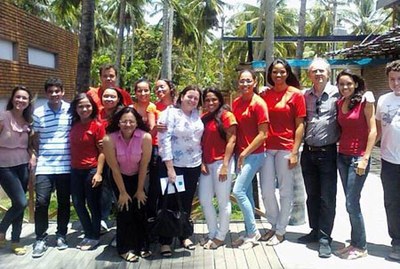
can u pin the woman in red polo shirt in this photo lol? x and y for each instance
(218, 143)
(286, 107)
(87, 167)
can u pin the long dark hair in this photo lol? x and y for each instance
(185, 90)
(356, 97)
(291, 79)
(74, 104)
(216, 115)
(171, 86)
(114, 124)
(140, 80)
(120, 103)
(28, 111)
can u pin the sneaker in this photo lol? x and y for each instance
(343, 251)
(104, 227)
(39, 248)
(18, 249)
(355, 253)
(309, 238)
(90, 244)
(61, 243)
(82, 243)
(395, 253)
(325, 250)
(250, 242)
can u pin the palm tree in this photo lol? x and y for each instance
(86, 44)
(168, 18)
(365, 19)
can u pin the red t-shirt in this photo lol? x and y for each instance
(249, 115)
(212, 143)
(96, 94)
(354, 130)
(83, 141)
(282, 126)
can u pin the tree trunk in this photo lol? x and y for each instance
(120, 40)
(300, 43)
(168, 19)
(259, 51)
(269, 34)
(86, 45)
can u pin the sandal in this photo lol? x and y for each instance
(18, 249)
(238, 242)
(166, 251)
(214, 244)
(275, 240)
(204, 241)
(129, 257)
(267, 236)
(145, 253)
(188, 244)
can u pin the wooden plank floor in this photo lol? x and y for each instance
(105, 256)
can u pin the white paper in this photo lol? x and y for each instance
(180, 184)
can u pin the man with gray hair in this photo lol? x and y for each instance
(318, 159)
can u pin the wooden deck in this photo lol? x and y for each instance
(105, 256)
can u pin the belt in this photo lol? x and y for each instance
(322, 148)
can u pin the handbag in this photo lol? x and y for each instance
(172, 223)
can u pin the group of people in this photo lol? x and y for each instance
(104, 147)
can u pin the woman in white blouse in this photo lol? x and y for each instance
(180, 150)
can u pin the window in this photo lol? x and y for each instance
(41, 58)
(8, 50)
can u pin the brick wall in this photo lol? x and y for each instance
(376, 79)
(25, 31)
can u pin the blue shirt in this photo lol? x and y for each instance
(52, 129)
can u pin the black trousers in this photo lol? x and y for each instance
(190, 177)
(131, 224)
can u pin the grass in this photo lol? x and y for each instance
(6, 202)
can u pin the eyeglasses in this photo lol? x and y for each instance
(126, 122)
(318, 106)
(161, 88)
(243, 81)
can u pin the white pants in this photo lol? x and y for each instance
(276, 166)
(209, 185)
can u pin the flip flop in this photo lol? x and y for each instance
(166, 251)
(267, 236)
(213, 244)
(145, 253)
(129, 257)
(188, 244)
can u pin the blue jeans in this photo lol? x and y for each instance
(243, 189)
(390, 175)
(320, 179)
(352, 185)
(14, 181)
(44, 186)
(83, 193)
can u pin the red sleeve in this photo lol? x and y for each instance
(228, 119)
(261, 111)
(127, 97)
(299, 105)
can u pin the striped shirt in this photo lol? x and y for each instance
(52, 128)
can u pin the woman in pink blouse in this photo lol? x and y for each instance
(14, 162)
(127, 147)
